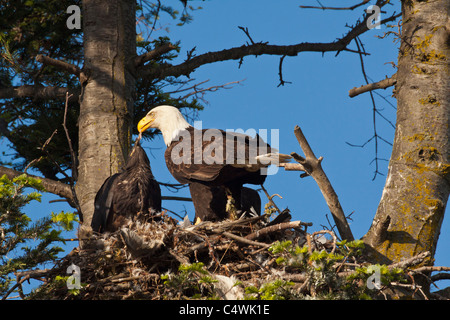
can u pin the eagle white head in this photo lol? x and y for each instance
(167, 119)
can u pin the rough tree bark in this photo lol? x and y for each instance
(107, 97)
(412, 206)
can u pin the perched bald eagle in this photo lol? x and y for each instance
(125, 194)
(210, 159)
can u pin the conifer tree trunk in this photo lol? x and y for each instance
(107, 97)
(411, 210)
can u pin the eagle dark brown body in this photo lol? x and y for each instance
(215, 163)
(126, 194)
(209, 183)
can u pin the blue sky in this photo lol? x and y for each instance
(316, 100)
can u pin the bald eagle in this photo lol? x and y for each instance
(210, 159)
(125, 194)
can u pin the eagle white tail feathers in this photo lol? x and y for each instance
(263, 161)
(273, 158)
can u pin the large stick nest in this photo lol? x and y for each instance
(144, 258)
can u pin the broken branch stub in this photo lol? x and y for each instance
(313, 167)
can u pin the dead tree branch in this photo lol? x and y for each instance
(42, 149)
(153, 54)
(376, 137)
(256, 49)
(69, 141)
(336, 8)
(64, 66)
(270, 197)
(277, 227)
(176, 198)
(68, 67)
(199, 92)
(382, 84)
(280, 72)
(37, 92)
(74, 159)
(312, 166)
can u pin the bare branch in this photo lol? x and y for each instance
(247, 33)
(69, 141)
(336, 8)
(237, 53)
(74, 159)
(277, 227)
(140, 60)
(42, 149)
(280, 72)
(176, 198)
(199, 92)
(37, 92)
(314, 169)
(65, 66)
(288, 166)
(382, 84)
(376, 137)
(244, 240)
(270, 197)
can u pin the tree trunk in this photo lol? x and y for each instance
(106, 108)
(411, 210)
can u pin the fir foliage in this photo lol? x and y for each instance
(26, 244)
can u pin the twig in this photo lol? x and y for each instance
(256, 49)
(245, 30)
(272, 203)
(440, 276)
(59, 64)
(375, 111)
(176, 198)
(73, 157)
(336, 8)
(277, 227)
(64, 66)
(14, 287)
(69, 141)
(431, 269)
(24, 276)
(175, 186)
(153, 54)
(280, 72)
(42, 149)
(37, 92)
(244, 240)
(383, 84)
(199, 92)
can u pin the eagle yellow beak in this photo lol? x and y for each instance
(145, 123)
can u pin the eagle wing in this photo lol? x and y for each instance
(103, 203)
(214, 151)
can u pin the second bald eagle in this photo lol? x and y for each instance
(209, 159)
(124, 195)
